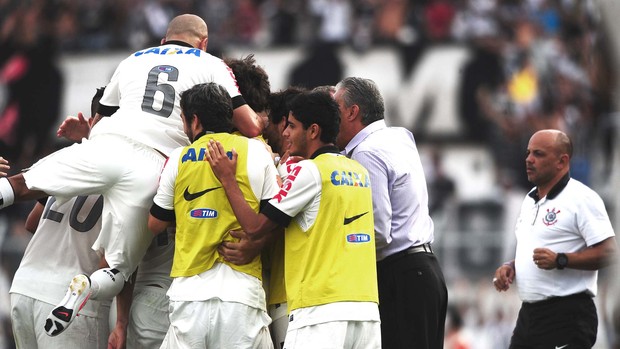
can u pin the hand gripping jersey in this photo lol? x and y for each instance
(334, 259)
(203, 214)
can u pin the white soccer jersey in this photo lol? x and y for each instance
(60, 248)
(568, 222)
(146, 87)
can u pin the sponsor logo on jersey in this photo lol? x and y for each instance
(191, 196)
(191, 155)
(203, 213)
(358, 238)
(169, 51)
(288, 183)
(352, 179)
(551, 217)
(349, 220)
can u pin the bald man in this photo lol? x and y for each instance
(563, 237)
(140, 124)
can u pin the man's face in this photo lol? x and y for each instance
(296, 136)
(343, 137)
(542, 159)
(273, 135)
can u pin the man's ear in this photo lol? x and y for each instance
(203, 44)
(314, 131)
(564, 160)
(353, 112)
(195, 122)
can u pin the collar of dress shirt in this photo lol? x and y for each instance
(361, 135)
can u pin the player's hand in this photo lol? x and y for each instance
(117, 338)
(4, 166)
(504, 276)
(544, 258)
(288, 159)
(242, 252)
(223, 167)
(74, 128)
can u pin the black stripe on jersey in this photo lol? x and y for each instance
(106, 110)
(162, 214)
(276, 215)
(238, 101)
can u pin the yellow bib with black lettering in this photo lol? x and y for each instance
(203, 214)
(334, 260)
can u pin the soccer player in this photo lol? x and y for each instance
(212, 302)
(72, 225)
(325, 206)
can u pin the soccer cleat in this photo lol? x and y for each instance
(61, 316)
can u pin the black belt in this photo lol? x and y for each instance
(426, 248)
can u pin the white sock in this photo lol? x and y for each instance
(7, 196)
(106, 283)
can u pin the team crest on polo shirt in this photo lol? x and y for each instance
(551, 217)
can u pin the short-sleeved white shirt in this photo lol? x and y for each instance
(146, 87)
(568, 219)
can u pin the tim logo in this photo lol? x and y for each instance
(551, 217)
(203, 213)
(358, 238)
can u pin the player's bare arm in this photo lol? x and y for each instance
(245, 250)
(157, 225)
(256, 225)
(594, 257)
(247, 121)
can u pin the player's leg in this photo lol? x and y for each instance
(148, 319)
(279, 324)
(22, 321)
(129, 173)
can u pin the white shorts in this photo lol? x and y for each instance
(28, 320)
(336, 335)
(279, 323)
(126, 173)
(216, 324)
(148, 319)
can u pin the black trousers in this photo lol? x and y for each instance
(562, 322)
(413, 301)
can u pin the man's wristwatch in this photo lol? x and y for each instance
(561, 260)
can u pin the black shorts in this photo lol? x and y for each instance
(559, 322)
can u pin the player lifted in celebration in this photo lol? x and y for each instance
(326, 207)
(125, 152)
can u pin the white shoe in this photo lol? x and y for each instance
(75, 299)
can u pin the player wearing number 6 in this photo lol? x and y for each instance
(125, 152)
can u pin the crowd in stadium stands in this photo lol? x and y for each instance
(534, 64)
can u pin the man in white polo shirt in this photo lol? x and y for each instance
(563, 237)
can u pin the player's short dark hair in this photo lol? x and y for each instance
(252, 80)
(212, 105)
(318, 107)
(280, 103)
